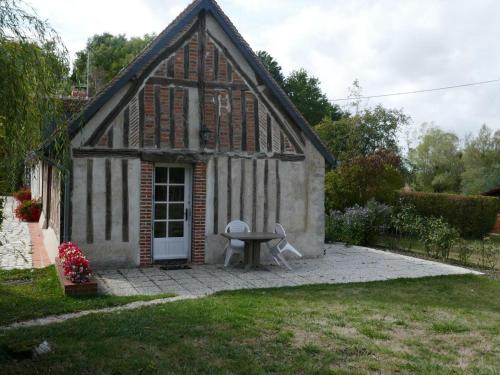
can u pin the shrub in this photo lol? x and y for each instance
(406, 221)
(377, 176)
(333, 226)
(489, 253)
(29, 210)
(23, 194)
(473, 216)
(464, 251)
(356, 228)
(435, 233)
(358, 225)
(438, 237)
(75, 264)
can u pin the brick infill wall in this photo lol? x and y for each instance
(146, 213)
(199, 213)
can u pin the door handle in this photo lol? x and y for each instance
(186, 214)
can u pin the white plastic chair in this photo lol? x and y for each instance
(235, 246)
(282, 246)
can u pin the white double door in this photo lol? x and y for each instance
(172, 212)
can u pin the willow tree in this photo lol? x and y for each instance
(33, 71)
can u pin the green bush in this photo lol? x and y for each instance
(438, 237)
(465, 251)
(377, 176)
(333, 226)
(358, 225)
(473, 216)
(406, 221)
(489, 253)
(436, 234)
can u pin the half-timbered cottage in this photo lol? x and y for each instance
(190, 135)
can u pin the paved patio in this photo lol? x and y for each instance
(15, 241)
(340, 264)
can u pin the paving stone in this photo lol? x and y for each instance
(340, 265)
(15, 240)
(149, 291)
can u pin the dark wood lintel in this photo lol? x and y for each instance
(187, 155)
(188, 83)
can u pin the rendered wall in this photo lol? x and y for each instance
(300, 209)
(89, 179)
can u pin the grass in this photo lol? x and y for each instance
(414, 246)
(29, 294)
(437, 325)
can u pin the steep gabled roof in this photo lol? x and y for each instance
(131, 71)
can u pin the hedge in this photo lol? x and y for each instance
(473, 215)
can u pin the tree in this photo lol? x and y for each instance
(108, 55)
(363, 134)
(33, 67)
(362, 178)
(272, 67)
(437, 162)
(481, 158)
(305, 92)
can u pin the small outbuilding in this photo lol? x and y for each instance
(192, 134)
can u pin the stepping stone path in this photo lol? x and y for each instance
(15, 240)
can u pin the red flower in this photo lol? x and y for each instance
(29, 210)
(23, 194)
(76, 266)
(67, 249)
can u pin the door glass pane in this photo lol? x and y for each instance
(176, 194)
(160, 211)
(175, 229)
(160, 193)
(161, 174)
(176, 211)
(161, 229)
(176, 175)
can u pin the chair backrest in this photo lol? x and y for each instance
(237, 226)
(278, 229)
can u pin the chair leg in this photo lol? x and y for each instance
(274, 253)
(282, 259)
(292, 249)
(229, 254)
(276, 260)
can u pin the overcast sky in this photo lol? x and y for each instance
(390, 46)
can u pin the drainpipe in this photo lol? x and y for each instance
(66, 173)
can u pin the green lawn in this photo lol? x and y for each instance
(29, 294)
(436, 325)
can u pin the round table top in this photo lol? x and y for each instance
(252, 236)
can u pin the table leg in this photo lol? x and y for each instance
(256, 254)
(247, 256)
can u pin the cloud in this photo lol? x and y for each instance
(390, 46)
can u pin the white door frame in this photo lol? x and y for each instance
(188, 187)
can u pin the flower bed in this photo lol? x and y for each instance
(74, 271)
